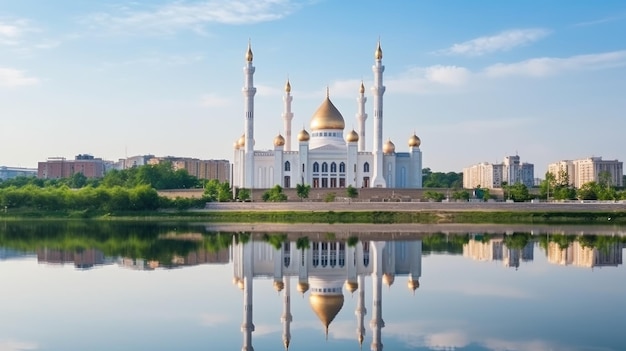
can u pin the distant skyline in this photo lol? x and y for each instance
(476, 81)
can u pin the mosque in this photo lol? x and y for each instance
(326, 155)
(324, 270)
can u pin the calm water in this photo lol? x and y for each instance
(89, 286)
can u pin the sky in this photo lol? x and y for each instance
(476, 81)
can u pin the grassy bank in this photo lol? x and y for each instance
(364, 217)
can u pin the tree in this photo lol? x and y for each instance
(352, 192)
(461, 195)
(434, 196)
(303, 191)
(243, 194)
(519, 192)
(77, 180)
(275, 194)
(330, 197)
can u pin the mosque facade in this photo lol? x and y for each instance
(326, 155)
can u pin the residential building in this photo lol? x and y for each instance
(60, 167)
(590, 169)
(202, 169)
(491, 176)
(13, 172)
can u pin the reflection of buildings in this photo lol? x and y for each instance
(7, 254)
(496, 250)
(84, 259)
(577, 255)
(324, 270)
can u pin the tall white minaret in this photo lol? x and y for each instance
(377, 323)
(247, 326)
(248, 93)
(378, 89)
(287, 115)
(286, 317)
(361, 116)
(361, 311)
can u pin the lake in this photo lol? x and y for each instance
(89, 285)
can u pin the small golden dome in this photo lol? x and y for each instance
(379, 52)
(352, 136)
(236, 145)
(242, 140)
(389, 147)
(327, 117)
(303, 287)
(413, 284)
(351, 286)
(241, 284)
(249, 55)
(288, 87)
(278, 285)
(326, 307)
(303, 135)
(235, 280)
(362, 88)
(388, 279)
(279, 140)
(414, 141)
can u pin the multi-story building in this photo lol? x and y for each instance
(60, 167)
(587, 170)
(133, 161)
(12, 172)
(202, 169)
(488, 175)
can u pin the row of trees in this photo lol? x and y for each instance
(558, 187)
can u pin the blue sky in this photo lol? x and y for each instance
(475, 80)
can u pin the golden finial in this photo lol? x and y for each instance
(249, 55)
(288, 86)
(379, 51)
(362, 89)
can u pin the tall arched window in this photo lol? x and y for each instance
(333, 167)
(316, 167)
(287, 166)
(324, 167)
(366, 167)
(342, 167)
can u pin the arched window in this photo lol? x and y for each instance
(287, 166)
(316, 167)
(342, 167)
(333, 167)
(324, 167)
(366, 167)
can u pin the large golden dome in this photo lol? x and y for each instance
(389, 147)
(414, 141)
(279, 140)
(303, 135)
(352, 136)
(326, 307)
(327, 117)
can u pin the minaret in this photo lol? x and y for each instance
(377, 323)
(247, 326)
(378, 89)
(248, 92)
(287, 115)
(361, 116)
(361, 311)
(286, 317)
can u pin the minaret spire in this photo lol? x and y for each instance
(378, 89)
(361, 116)
(287, 115)
(248, 92)
(286, 317)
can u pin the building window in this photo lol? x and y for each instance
(333, 167)
(316, 167)
(342, 167)
(366, 167)
(324, 182)
(287, 182)
(287, 166)
(324, 167)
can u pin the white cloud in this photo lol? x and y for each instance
(12, 31)
(193, 16)
(601, 20)
(10, 77)
(545, 66)
(530, 345)
(447, 75)
(213, 100)
(17, 346)
(503, 41)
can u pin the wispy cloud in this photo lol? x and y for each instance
(607, 19)
(10, 77)
(13, 31)
(184, 15)
(502, 41)
(17, 346)
(545, 66)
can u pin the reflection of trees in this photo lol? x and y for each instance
(276, 239)
(600, 242)
(439, 242)
(303, 243)
(517, 240)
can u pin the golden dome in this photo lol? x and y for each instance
(351, 286)
(242, 140)
(389, 147)
(327, 117)
(362, 89)
(303, 135)
(413, 284)
(279, 286)
(414, 141)
(249, 55)
(326, 307)
(303, 287)
(235, 280)
(388, 279)
(241, 284)
(378, 54)
(288, 87)
(352, 136)
(279, 140)
(236, 145)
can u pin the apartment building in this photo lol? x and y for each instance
(60, 167)
(202, 169)
(488, 175)
(587, 170)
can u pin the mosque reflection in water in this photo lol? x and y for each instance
(323, 270)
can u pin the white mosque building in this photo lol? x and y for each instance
(327, 156)
(325, 270)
